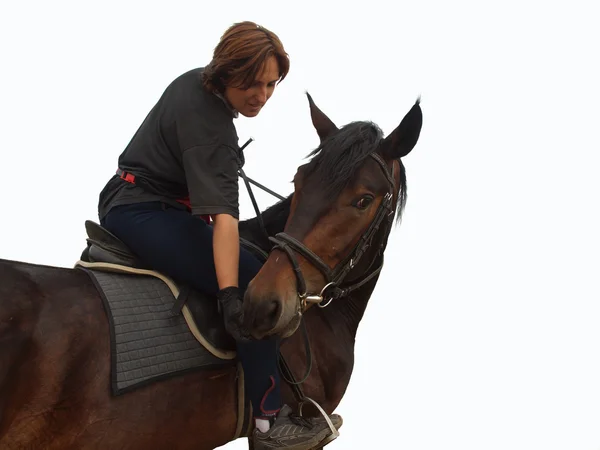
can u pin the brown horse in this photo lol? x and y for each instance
(329, 238)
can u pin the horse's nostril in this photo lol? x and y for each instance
(267, 314)
(273, 310)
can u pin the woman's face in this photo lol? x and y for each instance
(249, 102)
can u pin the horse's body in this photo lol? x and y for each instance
(55, 366)
(55, 371)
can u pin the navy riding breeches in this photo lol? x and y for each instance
(174, 242)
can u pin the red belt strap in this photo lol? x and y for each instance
(130, 178)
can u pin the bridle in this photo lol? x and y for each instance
(334, 278)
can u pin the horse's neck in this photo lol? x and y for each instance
(274, 219)
(332, 333)
(347, 312)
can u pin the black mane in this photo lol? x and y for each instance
(333, 164)
(337, 159)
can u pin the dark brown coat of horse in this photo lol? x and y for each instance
(54, 339)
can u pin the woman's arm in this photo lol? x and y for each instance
(226, 249)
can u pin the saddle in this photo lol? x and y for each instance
(106, 252)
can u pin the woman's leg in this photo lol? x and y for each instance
(175, 243)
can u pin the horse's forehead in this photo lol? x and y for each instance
(307, 207)
(368, 167)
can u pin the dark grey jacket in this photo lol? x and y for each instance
(185, 151)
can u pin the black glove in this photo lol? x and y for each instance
(232, 309)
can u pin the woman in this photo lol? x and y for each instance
(174, 202)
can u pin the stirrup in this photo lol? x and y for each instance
(334, 432)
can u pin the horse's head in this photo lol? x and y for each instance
(342, 210)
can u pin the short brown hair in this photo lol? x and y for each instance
(240, 56)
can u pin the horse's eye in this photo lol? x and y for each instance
(363, 202)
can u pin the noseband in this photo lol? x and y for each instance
(334, 278)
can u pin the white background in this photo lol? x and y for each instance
(484, 330)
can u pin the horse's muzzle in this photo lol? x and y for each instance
(270, 314)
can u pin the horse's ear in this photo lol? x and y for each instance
(321, 122)
(402, 140)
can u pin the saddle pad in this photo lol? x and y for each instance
(148, 342)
